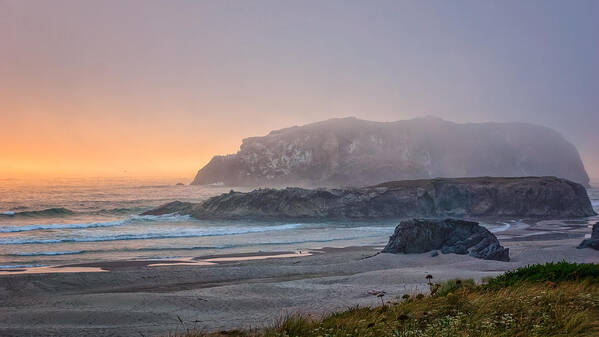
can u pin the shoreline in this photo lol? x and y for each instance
(227, 291)
(512, 230)
(50, 258)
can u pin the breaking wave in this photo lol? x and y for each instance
(137, 218)
(118, 211)
(180, 233)
(56, 211)
(62, 211)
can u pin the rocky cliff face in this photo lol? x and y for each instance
(449, 236)
(463, 197)
(353, 152)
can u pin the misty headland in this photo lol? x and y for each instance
(354, 152)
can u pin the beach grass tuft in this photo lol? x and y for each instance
(549, 272)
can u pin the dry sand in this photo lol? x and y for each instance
(141, 298)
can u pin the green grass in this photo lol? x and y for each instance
(549, 272)
(555, 299)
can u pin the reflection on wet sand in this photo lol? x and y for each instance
(52, 270)
(189, 261)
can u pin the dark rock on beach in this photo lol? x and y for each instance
(593, 241)
(448, 236)
(459, 197)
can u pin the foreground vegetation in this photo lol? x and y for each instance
(555, 299)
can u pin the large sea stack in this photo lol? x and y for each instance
(463, 197)
(449, 236)
(353, 152)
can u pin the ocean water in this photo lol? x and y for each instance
(68, 221)
(65, 221)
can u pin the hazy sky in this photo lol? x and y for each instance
(158, 87)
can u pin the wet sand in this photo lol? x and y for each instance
(147, 298)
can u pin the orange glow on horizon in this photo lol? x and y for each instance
(156, 88)
(65, 144)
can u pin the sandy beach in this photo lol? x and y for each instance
(149, 298)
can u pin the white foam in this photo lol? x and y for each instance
(175, 233)
(9, 213)
(503, 228)
(382, 229)
(72, 252)
(21, 266)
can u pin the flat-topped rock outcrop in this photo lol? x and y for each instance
(459, 197)
(354, 152)
(448, 236)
